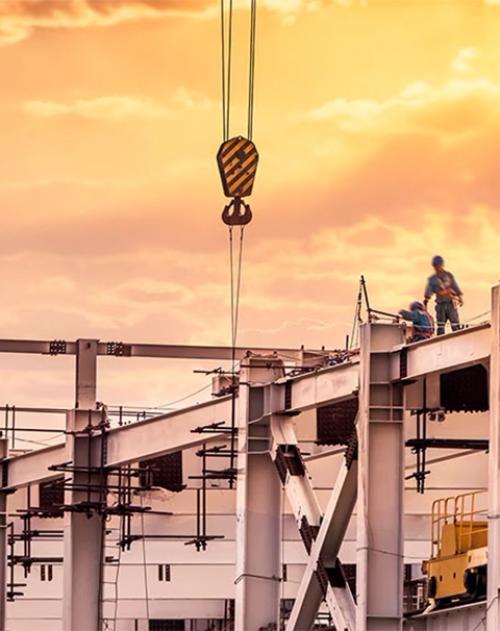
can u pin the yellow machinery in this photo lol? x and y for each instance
(456, 570)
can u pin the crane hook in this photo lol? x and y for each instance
(237, 213)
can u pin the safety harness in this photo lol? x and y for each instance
(424, 331)
(446, 290)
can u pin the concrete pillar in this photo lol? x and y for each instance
(83, 533)
(258, 499)
(380, 568)
(493, 601)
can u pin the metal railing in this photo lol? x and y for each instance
(465, 512)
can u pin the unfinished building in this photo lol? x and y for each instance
(313, 509)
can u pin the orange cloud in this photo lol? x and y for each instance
(104, 108)
(19, 18)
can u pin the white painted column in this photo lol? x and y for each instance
(380, 567)
(493, 606)
(258, 498)
(83, 535)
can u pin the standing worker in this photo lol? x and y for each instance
(448, 296)
(423, 322)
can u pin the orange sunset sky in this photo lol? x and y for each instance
(378, 126)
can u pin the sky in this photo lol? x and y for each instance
(378, 128)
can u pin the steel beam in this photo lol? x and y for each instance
(130, 443)
(168, 433)
(493, 600)
(165, 351)
(380, 484)
(33, 467)
(83, 532)
(298, 488)
(444, 353)
(220, 353)
(323, 553)
(323, 386)
(134, 442)
(172, 431)
(258, 511)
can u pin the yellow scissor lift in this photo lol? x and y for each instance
(456, 570)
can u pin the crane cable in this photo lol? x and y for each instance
(237, 160)
(226, 66)
(227, 55)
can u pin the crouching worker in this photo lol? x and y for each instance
(423, 322)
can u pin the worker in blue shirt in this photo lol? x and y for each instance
(448, 296)
(423, 322)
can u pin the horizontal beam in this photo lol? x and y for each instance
(129, 443)
(324, 386)
(166, 434)
(444, 353)
(33, 467)
(171, 432)
(222, 353)
(480, 444)
(165, 351)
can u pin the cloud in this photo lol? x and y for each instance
(461, 63)
(20, 18)
(111, 108)
(117, 108)
(192, 100)
(357, 115)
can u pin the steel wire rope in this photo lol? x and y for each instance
(144, 561)
(251, 70)
(184, 398)
(226, 41)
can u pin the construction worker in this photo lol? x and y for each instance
(423, 322)
(448, 296)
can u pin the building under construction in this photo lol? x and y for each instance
(307, 494)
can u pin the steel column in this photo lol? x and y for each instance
(493, 607)
(83, 533)
(258, 495)
(380, 484)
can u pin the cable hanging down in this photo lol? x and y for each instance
(237, 160)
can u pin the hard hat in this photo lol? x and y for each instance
(417, 306)
(438, 260)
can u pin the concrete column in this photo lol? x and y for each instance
(493, 601)
(380, 484)
(258, 562)
(4, 452)
(83, 533)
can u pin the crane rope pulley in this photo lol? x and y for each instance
(237, 157)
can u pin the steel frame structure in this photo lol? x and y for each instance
(269, 459)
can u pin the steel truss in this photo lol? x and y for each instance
(95, 457)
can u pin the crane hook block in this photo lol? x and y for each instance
(237, 159)
(237, 213)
